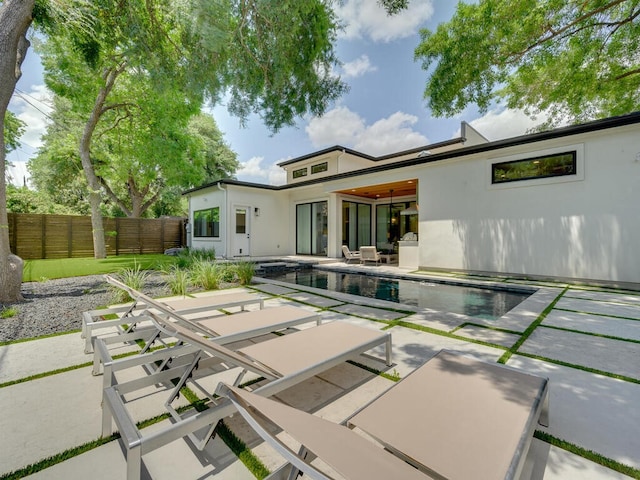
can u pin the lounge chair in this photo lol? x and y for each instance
(283, 362)
(349, 255)
(369, 254)
(133, 314)
(454, 417)
(221, 328)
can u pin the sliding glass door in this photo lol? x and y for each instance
(356, 224)
(311, 228)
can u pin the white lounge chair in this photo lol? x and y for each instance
(454, 417)
(369, 254)
(349, 255)
(283, 362)
(133, 314)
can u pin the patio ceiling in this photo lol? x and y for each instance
(383, 190)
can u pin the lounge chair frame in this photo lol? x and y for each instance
(134, 313)
(451, 371)
(285, 317)
(204, 358)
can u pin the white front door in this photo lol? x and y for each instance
(242, 233)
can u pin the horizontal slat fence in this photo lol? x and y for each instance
(34, 236)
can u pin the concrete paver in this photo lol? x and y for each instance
(598, 324)
(599, 308)
(604, 354)
(497, 337)
(593, 411)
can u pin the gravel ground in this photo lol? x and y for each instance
(56, 306)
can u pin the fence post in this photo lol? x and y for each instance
(163, 225)
(43, 237)
(69, 237)
(117, 236)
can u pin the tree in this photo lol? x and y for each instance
(272, 58)
(574, 60)
(218, 158)
(140, 161)
(252, 52)
(15, 18)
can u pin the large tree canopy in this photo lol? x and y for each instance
(575, 60)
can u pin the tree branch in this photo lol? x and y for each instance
(114, 197)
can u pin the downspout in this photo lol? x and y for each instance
(226, 221)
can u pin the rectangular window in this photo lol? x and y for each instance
(241, 220)
(302, 172)
(555, 165)
(320, 167)
(206, 223)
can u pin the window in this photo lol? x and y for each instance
(555, 165)
(206, 223)
(320, 167)
(241, 220)
(302, 172)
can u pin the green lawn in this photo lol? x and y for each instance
(38, 270)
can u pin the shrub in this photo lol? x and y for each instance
(206, 274)
(178, 280)
(134, 278)
(8, 312)
(245, 271)
(187, 258)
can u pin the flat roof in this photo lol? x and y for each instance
(593, 126)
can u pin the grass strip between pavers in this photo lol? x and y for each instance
(606, 315)
(531, 328)
(588, 454)
(592, 334)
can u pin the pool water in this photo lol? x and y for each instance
(472, 301)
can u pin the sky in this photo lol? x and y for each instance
(383, 112)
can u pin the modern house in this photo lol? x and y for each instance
(558, 204)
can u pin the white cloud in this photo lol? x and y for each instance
(337, 126)
(391, 134)
(367, 19)
(341, 126)
(32, 108)
(505, 123)
(253, 171)
(358, 67)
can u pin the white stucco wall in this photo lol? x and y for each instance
(268, 228)
(588, 228)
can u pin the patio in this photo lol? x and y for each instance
(586, 340)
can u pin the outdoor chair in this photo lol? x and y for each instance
(222, 329)
(369, 254)
(133, 314)
(349, 255)
(282, 362)
(454, 417)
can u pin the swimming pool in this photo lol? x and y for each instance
(467, 300)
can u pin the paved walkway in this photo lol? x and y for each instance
(588, 344)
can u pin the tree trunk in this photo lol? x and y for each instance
(15, 19)
(95, 197)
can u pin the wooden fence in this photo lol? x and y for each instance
(35, 236)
